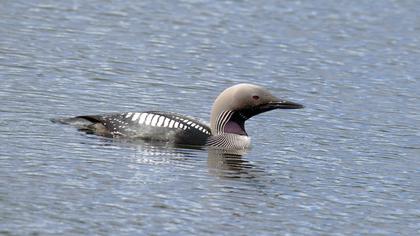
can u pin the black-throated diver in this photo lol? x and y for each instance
(230, 110)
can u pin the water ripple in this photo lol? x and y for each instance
(346, 164)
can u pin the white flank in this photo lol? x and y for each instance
(160, 121)
(148, 119)
(142, 117)
(171, 124)
(166, 122)
(136, 116)
(129, 115)
(176, 125)
(155, 120)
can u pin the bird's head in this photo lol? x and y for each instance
(240, 102)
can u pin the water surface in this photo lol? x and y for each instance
(347, 164)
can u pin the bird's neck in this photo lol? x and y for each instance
(229, 122)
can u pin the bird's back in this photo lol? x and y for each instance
(152, 125)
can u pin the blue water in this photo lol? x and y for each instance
(347, 164)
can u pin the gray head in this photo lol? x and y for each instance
(240, 102)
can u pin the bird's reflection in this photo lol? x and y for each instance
(230, 164)
(220, 162)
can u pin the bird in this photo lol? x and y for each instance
(230, 110)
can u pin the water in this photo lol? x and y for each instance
(347, 164)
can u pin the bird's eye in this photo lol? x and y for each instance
(255, 97)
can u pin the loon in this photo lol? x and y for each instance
(230, 110)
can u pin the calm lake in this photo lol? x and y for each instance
(346, 164)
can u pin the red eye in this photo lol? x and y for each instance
(255, 97)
